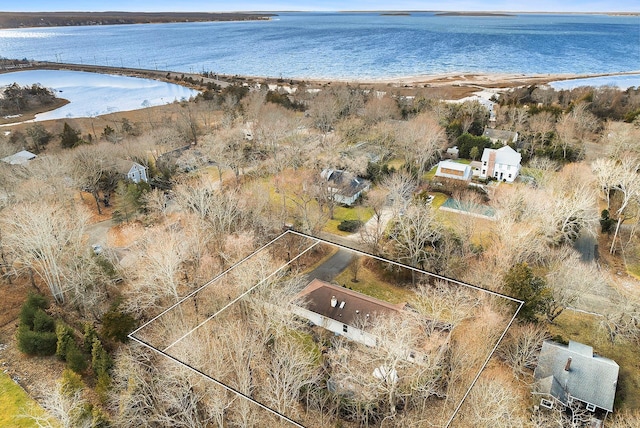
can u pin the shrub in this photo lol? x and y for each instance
(90, 334)
(349, 225)
(36, 342)
(76, 360)
(29, 308)
(99, 419)
(606, 222)
(65, 338)
(42, 322)
(117, 325)
(70, 382)
(101, 362)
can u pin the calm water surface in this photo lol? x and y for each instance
(92, 94)
(348, 46)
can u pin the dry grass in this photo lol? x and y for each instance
(125, 234)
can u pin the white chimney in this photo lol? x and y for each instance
(334, 301)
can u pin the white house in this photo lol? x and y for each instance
(453, 170)
(566, 374)
(340, 310)
(502, 164)
(137, 173)
(344, 187)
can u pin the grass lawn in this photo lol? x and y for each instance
(369, 284)
(432, 173)
(396, 163)
(438, 199)
(632, 260)
(212, 173)
(584, 328)
(346, 213)
(634, 270)
(15, 402)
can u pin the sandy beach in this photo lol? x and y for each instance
(471, 80)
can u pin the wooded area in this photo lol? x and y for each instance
(229, 169)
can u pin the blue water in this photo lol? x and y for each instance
(348, 46)
(621, 82)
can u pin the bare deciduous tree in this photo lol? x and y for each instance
(421, 140)
(491, 403)
(621, 176)
(400, 187)
(416, 234)
(521, 347)
(46, 237)
(290, 369)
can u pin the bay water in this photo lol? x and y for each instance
(348, 46)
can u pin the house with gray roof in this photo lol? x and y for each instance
(137, 173)
(573, 373)
(345, 188)
(500, 136)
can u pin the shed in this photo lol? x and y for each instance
(20, 158)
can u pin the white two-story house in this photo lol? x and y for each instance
(502, 164)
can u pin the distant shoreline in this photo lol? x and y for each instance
(488, 14)
(10, 20)
(454, 79)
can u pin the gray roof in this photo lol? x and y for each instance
(591, 379)
(20, 158)
(504, 156)
(500, 134)
(344, 183)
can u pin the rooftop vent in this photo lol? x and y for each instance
(342, 304)
(334, 301)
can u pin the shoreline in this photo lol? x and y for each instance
(460, 79)
(24, 20)
(448, 86)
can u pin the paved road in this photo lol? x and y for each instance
(332, 267)
(586, 245)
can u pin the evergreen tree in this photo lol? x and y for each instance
(70, 137)
(90, 334)
(522, 284)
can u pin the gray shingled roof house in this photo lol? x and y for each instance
(345, 188)
(573, 372)
(500, 135)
